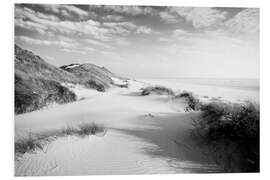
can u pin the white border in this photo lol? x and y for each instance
(7, 74)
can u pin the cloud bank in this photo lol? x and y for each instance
(202, 38)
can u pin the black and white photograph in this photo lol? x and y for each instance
(135, 89)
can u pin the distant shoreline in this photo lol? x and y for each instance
(236, 83)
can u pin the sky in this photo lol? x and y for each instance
(144, 41)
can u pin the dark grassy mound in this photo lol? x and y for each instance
(192, 101)
(90, 75)
(95, 85)
(230, 130)
(38, 83)
(159, 90)
(86, 129)
(33, 94)
(233, 132)
(29, 144)
(27, 64)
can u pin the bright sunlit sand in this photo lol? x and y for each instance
(145, 135)
(117, 89)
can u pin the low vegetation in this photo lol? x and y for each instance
(69, 130)
(86, 129)
(34, 93)
(192, 102)
(95, 85)
(34, 142)
(28, 144)
(38, 83)
(233, 132)
(121, 85)
(159, 90)
(230, 129)
(90, 75)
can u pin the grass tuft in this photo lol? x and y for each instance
(160, 90)
(192, 101)
(32, 143)
(69, 130)
(86, 129)
(28, 144)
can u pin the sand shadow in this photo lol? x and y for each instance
(174, 142)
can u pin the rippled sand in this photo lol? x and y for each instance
(145, 135)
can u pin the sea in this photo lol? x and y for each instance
(226, 89)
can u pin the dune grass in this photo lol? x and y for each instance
(159, 90)
(35, 142)
(192, 101)
(86, 129)
(69, 130)
(28, 144)
(233, 132)
(230, 129)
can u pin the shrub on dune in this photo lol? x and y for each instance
(192, 101)
(232, 126)
(86, 129)
(95, 85)
(159, 90)
(69, 130)
(28, 144)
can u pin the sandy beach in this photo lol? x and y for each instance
(145, 135)
(135, 89)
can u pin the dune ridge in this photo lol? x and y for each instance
(39, 84)
(149, 128)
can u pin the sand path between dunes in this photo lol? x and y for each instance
(146, 135)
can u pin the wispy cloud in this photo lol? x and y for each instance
(113, 18)
(24, 12)
(44, 42)
(97, 43)
(32, 20)
(122, 28)
(74, 51)
(200, 17)
(246, 21)
(168, 17)
(145, 30)
(139, 34)
(132, 10)
(66, 10)
(43, 24)
(180, 32)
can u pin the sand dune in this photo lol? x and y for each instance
(145, 135)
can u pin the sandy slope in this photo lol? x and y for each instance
(146, 134)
